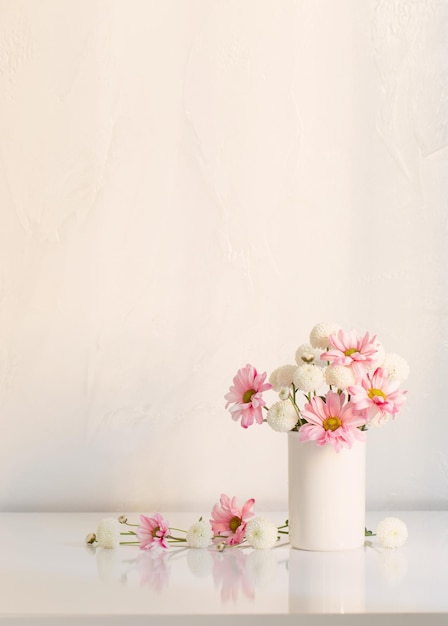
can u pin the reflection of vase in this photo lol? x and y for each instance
(327, 582)
(326, 495)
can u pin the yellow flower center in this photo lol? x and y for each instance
(376, 392)
(332, 423)
(248, 395)
(155, 531)
(234, 523)
(350, 351)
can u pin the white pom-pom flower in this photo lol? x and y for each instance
(307, 354)
(108, 533)
(199, 535)
(261, 533)
(392, 532)
(282, 376)
(308, 377)
(320, 333)
(397, 368)
(282, 416)
(340, 376)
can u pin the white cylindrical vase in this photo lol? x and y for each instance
(326, 491)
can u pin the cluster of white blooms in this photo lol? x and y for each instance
(392, 532)
(261, 533)
(308, 377)
(397, 367)
(307, 354)
(282, 377)
(320, 334)
(339, 376)
(199, 535)
(108, 533)
(282, 416)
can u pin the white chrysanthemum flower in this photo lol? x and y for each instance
(261, 533)
(108, 533)
(397, 367)
(320, 333)
(307, 354)
(392, 532)
(308, 377)
(282, 416)
(283, 394)
(199, 535)
(340, 376)
(282, 377)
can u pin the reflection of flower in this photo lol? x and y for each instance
(246, 396)
(108, 533)
(108, 566)
(199, 535)
(261, 533)
(392, 532)
(261, 567)
(230, 575)
(152, 531)
(228, 520)
(332, 422)
(153, 568)
(200, 562)
(393, 566)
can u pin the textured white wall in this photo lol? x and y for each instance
(188, 186)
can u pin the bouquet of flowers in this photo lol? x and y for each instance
(362, 388)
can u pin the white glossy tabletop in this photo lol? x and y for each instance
(48, 573)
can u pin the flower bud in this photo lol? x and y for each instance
(91, 538)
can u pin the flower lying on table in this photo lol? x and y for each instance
(363, 389)
(228, 526)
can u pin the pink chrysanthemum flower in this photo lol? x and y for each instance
(152, 532)
(229, 521)
(377, 396)
(334, 421)
(347, 349)
(246, 394)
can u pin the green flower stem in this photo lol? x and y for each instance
(130, 532)
(176, 539)
(284, 526)
(283, 532)
(128, 524)
(178, 529)
(294, 404)
(129, 543)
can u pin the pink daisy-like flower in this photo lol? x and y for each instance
(347, 349)
(334, 421)
(377, 396)
(229, 521)
(246, 396)
(152, 532)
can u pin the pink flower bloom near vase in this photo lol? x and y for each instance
(245, 396)
(229, 521)
(152, 532)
